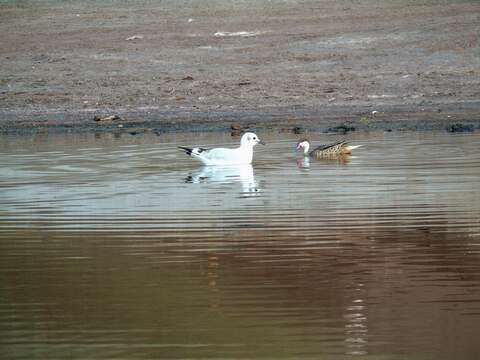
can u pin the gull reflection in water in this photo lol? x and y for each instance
(242, 174)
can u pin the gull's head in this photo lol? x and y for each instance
(250, 139)
(303, 144)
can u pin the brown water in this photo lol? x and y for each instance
(123, 248)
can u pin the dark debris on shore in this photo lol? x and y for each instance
(458, 119)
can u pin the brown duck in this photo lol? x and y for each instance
(325, 151)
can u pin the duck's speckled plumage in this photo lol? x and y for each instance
(327, 150)
(338, 148)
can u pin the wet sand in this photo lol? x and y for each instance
(170, 67)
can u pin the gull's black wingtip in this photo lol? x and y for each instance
(187, 150)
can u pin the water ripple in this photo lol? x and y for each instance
(111, 248)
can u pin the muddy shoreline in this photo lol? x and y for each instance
(451, 117)
(305, 65)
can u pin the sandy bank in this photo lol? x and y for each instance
(264, 63)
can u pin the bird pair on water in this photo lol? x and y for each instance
(244, 153)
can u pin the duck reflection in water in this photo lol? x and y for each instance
(242, 174)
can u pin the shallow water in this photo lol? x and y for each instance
(121, 247)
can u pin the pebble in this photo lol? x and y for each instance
(298, 130)
(459, 128)
(342, 129)
(98, 118)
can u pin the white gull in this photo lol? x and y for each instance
(223, 156)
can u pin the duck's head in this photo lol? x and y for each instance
(250, 139)
(303, 144)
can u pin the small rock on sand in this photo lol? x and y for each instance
(236, 126)
(298, 130)
(99, 118)
(459, 127)
(134, 37)
(341, 129)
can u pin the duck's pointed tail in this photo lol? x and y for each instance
(352, 147)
